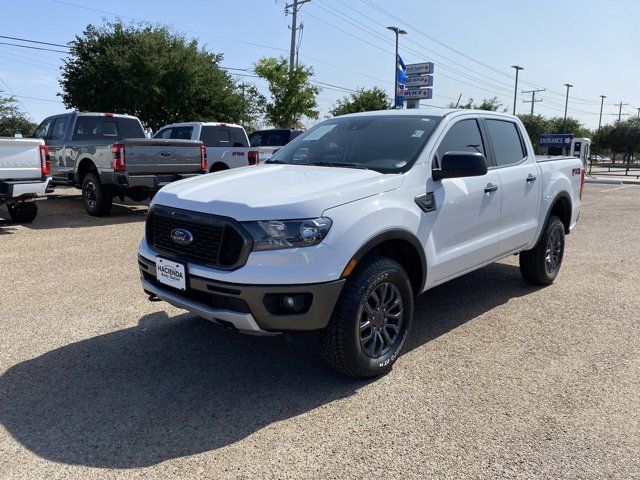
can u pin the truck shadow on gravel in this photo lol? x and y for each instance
(178, 386)
(66, 211)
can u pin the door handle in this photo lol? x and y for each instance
(490, 188)
(531, 178)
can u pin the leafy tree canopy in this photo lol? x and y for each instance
(492, 104)
(363, 101)
(12, 119)
(292, 94)
(152, 73)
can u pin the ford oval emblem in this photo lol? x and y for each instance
(181, 236)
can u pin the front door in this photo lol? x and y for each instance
(465, 231)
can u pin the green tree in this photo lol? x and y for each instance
(536, 125)
(622, 137)
(492, 104)
(362, 101)
(12, 119)
(152, 73)
(292, 95)
(575, 126)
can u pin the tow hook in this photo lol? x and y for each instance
(154, 298)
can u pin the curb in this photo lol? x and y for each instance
(604, 181)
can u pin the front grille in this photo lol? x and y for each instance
(217, 241)
(212, 300)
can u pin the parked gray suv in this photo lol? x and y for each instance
(107, 155)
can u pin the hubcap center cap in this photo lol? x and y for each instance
(377, 318)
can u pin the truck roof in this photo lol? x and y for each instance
(432, 111)
(204, 124)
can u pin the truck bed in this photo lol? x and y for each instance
(157, 156)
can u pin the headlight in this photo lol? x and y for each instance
(277, 234)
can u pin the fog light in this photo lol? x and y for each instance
(293, 303)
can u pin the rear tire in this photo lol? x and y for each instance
(96, 198)
(541, 264)
(23, 212)
(371, 321)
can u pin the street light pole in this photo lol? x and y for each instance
(602, 97)
(515, 90)
(398, 31)
(566, 104)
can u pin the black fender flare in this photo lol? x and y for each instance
(396, 234)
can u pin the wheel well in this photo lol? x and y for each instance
(405, 254)
(85, 167)
(219, 166)
(562, 209)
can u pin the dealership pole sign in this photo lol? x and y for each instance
(418, 82)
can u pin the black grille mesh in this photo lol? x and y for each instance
(214, 243)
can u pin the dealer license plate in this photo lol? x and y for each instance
(171, 273)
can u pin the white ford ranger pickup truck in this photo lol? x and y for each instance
(25, 170)
(344, 226)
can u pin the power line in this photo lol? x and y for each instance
(35, 41)
(33, 48)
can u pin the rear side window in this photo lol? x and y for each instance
(106, 128)
(255, 138)
(220, 136)
(43, 129)
(59, 128)
(175, 133)
(507, 142)
(463, 136)
(275, 138)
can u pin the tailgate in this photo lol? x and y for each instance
(148, 156)
(20, 159)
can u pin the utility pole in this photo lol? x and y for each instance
(638, 108)
(566, 104)
(294, 7)
(602, 97)
(533, 97)
(620, 105)
(515, 90)
(398, 31)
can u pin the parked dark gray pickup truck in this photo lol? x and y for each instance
(107, 155)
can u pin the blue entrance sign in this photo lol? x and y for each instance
(561, 140)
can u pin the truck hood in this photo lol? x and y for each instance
(275, 192)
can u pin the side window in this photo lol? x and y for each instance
(277, 138)
(254, 139)
(507, 143)
(59, 128)
(164, 133)
(463, 136)
(43, 129)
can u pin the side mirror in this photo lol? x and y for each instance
(461, 164)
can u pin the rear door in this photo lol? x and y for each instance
(465, 233)
(518, 174)
(60, 168)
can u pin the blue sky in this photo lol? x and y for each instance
(592, 44)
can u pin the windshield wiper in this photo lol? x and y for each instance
(339, 164)
(274, 161)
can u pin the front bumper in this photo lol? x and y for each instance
(151, 182)
(244, 306)
(23, 188)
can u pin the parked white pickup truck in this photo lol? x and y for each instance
(24, 175)
(227, 144)
(347, 223)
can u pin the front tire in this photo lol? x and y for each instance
(23, 212)
(371, 321)
(541, 264)
(96, 197)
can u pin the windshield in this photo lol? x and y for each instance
(385, 143)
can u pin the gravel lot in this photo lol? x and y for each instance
(499, 379)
